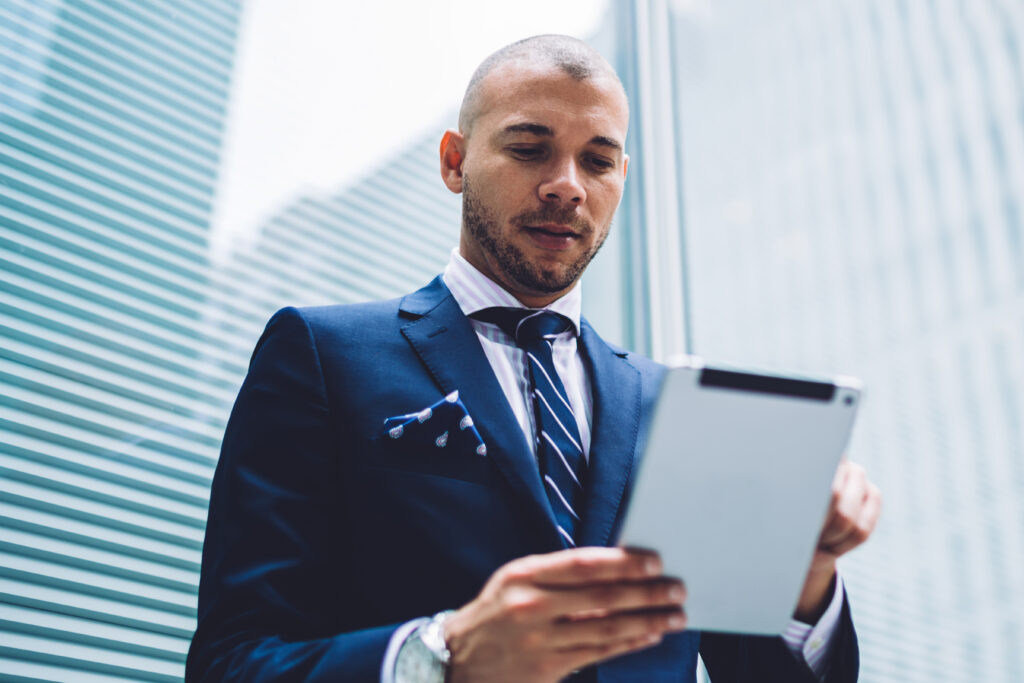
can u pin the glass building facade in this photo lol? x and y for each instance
(124, 336)
(384, 235)
(112, 387)
(824, 187)
(854, 173)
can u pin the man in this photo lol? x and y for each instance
(336, 529)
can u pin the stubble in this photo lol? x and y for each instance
(483, 227)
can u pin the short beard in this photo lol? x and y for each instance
(484, 228)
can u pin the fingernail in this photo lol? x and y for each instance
(651, 566)
(675, 593)
(676, 621)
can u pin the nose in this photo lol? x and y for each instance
(563, 185)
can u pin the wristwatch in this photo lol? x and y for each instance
(424, 656)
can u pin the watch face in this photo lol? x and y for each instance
(417, 664)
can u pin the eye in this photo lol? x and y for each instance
(601, 163)
(526, 153)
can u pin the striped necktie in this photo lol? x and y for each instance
(559, 449)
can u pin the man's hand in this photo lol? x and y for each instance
(540, 617)
(852, 516)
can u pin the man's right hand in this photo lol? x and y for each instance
(541, 617)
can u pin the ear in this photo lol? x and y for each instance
(625, 165)
(453, 151)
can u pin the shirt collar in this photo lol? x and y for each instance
(474, 291)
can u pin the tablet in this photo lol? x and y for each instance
(734, 486)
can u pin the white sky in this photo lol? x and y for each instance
(325, 91)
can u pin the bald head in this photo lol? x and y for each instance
(573, 57)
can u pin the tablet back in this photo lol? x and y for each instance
(734, 486)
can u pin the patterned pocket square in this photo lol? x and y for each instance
(446, 424)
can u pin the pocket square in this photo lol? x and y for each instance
(446, 424)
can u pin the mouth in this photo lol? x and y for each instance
(552, 230)
(552, 235)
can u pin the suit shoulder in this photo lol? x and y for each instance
(347, 315)
(652, 371)
(648, 369)
(336, 317)
(366, 318)
(644, 364)
(344, 331)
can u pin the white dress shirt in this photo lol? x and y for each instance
(474, 291)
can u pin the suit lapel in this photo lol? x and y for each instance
(615, 424)
(443, 338)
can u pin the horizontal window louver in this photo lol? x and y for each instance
(122, 341)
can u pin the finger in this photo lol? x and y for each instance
(838, 483)
(619, 596)
(578, 658)
(864, 525)
(580, 566)
(842, 473)
(847, 504)
(615, 627)
(855, 490)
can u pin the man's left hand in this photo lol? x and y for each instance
(852, 515)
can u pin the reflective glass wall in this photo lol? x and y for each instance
(128, 309)
(853, 188)
(820, 186)
(112, 386)
(124, 334)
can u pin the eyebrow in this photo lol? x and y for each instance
(545, 132)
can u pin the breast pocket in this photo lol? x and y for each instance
(442, 455)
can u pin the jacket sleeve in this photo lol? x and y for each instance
(733, 658)
(271, 593)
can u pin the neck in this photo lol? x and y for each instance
(528, 298)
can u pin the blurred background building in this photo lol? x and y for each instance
(816, 186)
(854, 179)
(124, 337)
(112, 387)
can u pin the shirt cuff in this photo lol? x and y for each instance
(398, 638)
(813, 643)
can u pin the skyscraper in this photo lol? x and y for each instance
(386, 234)
(851, 199)
(122, 342)
(854, 173)
(112, 391)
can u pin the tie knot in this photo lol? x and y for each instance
(524, 325)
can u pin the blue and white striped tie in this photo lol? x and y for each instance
(559, 449)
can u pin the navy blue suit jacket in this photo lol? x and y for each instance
(324, 535)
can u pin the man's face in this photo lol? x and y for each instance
(541, 173)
